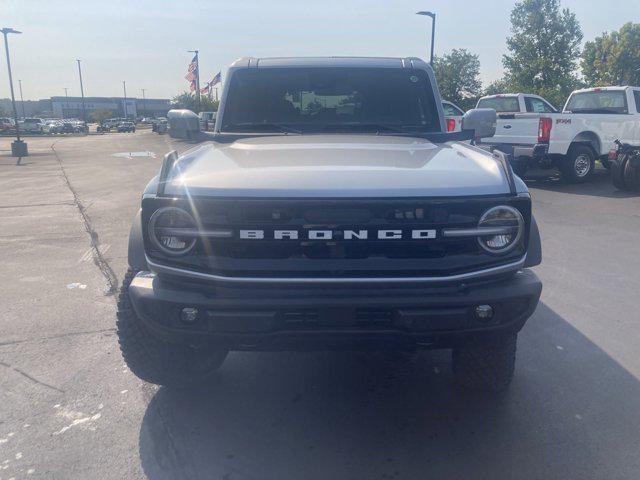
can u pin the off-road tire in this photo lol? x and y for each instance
(485, 365)
(632, 174)
(579, 164)
(617, 172)
(155, 360)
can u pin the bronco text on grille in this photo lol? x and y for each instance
(331, 209)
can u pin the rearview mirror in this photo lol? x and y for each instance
(482, 121)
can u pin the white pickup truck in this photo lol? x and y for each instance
(533, 133)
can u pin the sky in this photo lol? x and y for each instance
(146, 42)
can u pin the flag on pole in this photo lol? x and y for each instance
(216, 79)
(205, 89)
(192, 73)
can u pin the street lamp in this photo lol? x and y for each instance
(144, 100)
(18, 148)
(124, 86)
(66, 96)
(433, 31)
(84, 114)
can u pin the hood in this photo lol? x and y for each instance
(336, 166)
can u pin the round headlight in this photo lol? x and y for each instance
(172, 230)
(506, 227)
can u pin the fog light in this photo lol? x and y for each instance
(484, 313)
(189, 315)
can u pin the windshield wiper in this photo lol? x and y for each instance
(250, 125)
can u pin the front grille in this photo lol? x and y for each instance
(232, 255)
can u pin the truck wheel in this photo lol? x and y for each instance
(486, 365)
(617, 172)
(579, 164)
(156, 361)
(632, 174)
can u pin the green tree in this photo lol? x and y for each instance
(190, 102)
(544, 47)
(497, 86)
(458, 76)
(613, 58)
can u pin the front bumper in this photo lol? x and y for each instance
(326, 317)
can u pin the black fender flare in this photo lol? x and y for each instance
(136, 255)
(534, 246)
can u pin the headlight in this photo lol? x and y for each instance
(506, 226)
(172, 230)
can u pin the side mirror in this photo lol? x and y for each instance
(482, 121)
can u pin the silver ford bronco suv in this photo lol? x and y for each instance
(331, 209)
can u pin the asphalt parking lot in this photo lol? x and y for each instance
(69, 407)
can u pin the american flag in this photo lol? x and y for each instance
(216, 79)
(192, 72)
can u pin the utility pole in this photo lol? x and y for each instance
(197, 76)
(433, 31)
(84, 115)
(21, 99)
(124, 86)
(144, 102)
(66, 96)
(18, 148)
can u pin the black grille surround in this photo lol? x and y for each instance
(338, 257)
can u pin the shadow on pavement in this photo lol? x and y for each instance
(572, 412)
(599, 185)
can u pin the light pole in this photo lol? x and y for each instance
(21, 99)
(18, 148)
(433, 31)
(66, 96)
(124, 86)
(144, 100)
(84, 115)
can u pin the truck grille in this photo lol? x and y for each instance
(224, 251)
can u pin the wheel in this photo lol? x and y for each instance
(617, 171)
(579, 164)
(155, 360)
(486, 365)
(632, 174)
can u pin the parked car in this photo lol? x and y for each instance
(585, 130)
(52, 126)
(79, 126)
(453, 116)
(126, 127)
(7, 124)
(34, 125)
(380, 230)
(67, 127)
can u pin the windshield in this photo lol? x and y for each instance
(500, 104)
(604, 101)
(330, 100)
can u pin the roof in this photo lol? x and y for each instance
(612, 88)
(386, 62)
